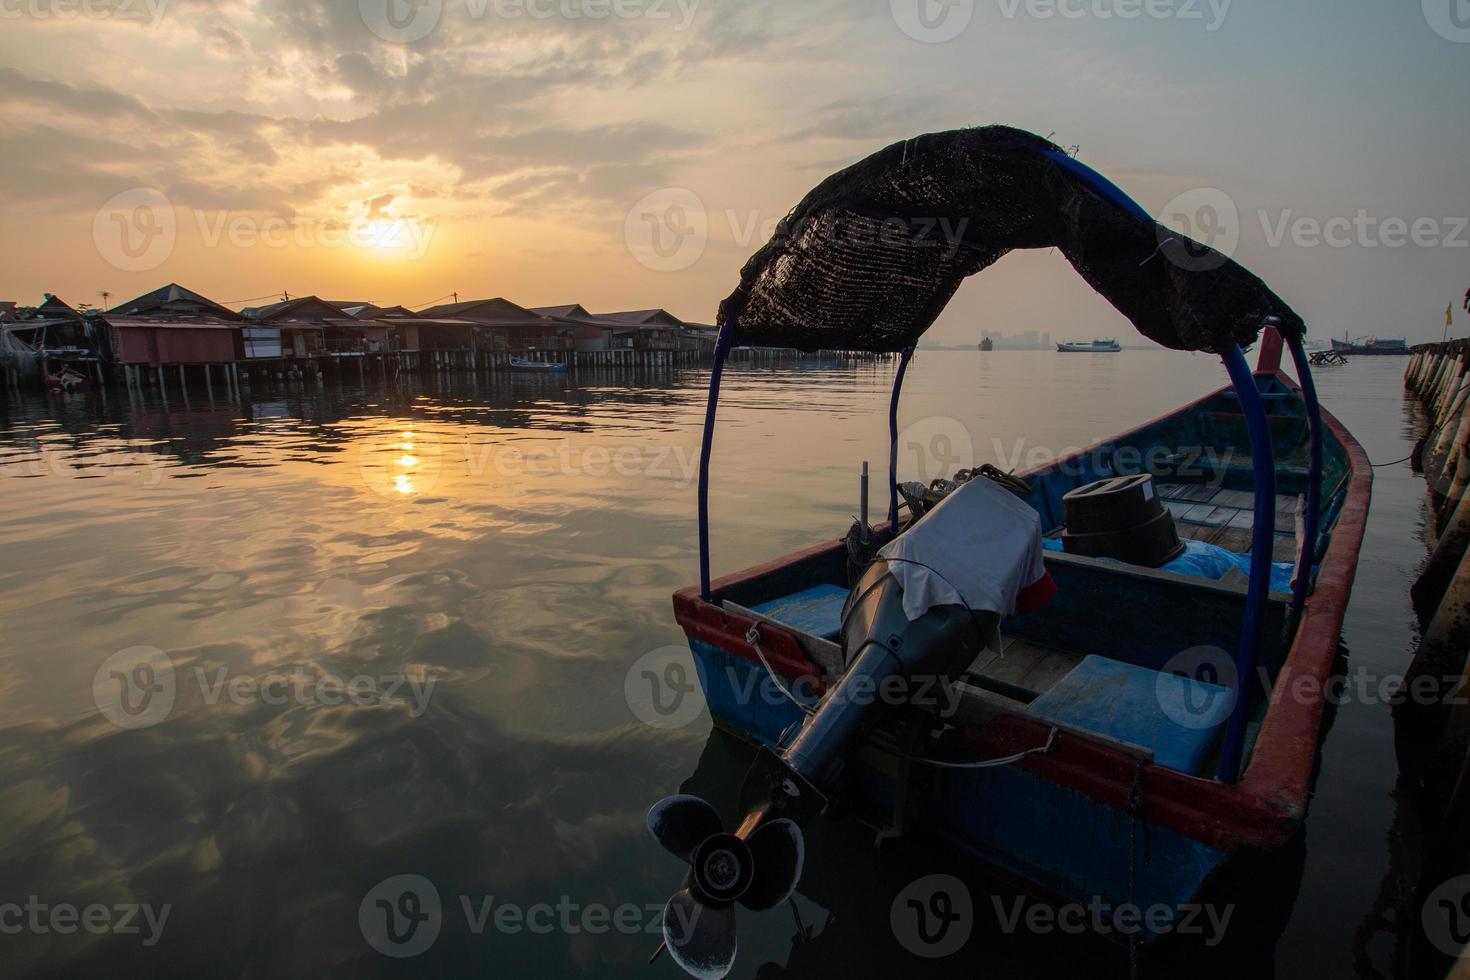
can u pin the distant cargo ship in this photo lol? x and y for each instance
(1095, 347)
(1371, 345)
(987, 344)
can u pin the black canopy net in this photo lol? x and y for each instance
(871, 256)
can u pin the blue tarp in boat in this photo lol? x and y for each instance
(1203, 560)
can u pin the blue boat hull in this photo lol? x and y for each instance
(1056, 840)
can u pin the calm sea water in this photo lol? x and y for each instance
(389, 632)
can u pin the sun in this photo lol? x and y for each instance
(386, 235)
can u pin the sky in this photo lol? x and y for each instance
(629, 154)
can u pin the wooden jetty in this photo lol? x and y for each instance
(1434, 733)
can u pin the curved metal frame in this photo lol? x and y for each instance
(903, 366)
(722, 350)
(1263, 537)
(1311, 517)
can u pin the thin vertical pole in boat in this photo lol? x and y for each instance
(1307, 553)
(722, 348)
(1263, 536)
(863, 505)
(903, 365)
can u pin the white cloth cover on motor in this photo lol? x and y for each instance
(982, 540)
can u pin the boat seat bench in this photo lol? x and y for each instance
(1180, 718)
(817, 610)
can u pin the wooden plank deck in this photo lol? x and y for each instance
(1226, 517)
(1027, 664)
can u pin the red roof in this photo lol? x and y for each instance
(143, 323)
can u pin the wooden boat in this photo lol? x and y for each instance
(64, 379)
(1128, 740)
(1371, 345)
(1092, 347)
(1062, 821)
(521, 364)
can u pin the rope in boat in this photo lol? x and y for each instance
(987, 763)
(753, 637)
(1394, 463)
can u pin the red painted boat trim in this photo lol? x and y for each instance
(1263, 810)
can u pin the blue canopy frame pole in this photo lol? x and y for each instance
(722, 348)
(1307, 553)
(903, 366)
(1263, 537)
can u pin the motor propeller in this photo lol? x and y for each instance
(758, 866)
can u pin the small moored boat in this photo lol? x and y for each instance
(1134, 640)
(1094, 347)
(521, 364)
(62, 378)
(1370, 345)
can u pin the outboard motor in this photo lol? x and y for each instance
(925, 607)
